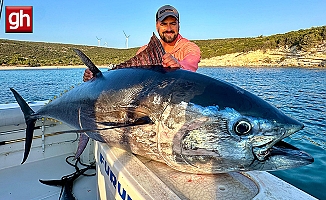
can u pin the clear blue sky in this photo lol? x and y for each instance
(79, 22)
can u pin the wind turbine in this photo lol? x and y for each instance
(127, 37)
(98, 41)
(106, 44)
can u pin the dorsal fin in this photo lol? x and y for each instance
(150, 56)
(91, 66)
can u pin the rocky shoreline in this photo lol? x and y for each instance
(282, 57)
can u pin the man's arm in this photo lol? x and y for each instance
(190, 54)
(190, 62)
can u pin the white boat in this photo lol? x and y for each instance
(119, 174)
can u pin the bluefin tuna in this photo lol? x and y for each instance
(191, 122)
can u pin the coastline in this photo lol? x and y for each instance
(46, 67)
(201, 65)
(282, 57)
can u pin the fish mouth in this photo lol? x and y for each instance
(263, 152)
(284, 150)
(279, 148)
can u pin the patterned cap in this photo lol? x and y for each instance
(166, 11)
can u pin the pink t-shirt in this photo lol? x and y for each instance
(186, 52)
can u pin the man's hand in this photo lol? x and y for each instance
(170, 61)
(87, 75)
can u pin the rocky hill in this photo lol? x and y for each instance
(280, 57)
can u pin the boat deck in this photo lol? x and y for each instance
(22, 182)
(46, 161)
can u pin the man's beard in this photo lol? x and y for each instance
(168, 39)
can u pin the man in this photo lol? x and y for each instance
(180, 52)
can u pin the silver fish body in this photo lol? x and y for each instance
(194, 123)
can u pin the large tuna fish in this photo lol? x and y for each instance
(187, 120)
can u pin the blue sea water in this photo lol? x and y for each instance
(298, 92)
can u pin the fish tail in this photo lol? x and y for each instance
(30, 120)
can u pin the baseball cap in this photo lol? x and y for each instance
(166, 11)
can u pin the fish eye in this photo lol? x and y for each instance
(242, 127)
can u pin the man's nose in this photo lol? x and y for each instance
(168, 27)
